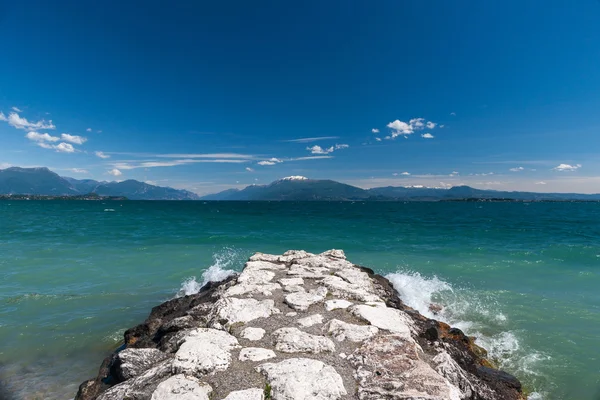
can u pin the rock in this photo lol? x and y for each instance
(253, 334)
(310, 321)
(386, 318)
(341, 331)
(292, 281)
(335, 254)
(435, 308)
(293, 340)
(300, 301)
(303, 379)
(204, 351)
(307, 272)
(181, 387)
(231, 310)
(342, 288)
(294, 288)
(331, 305)
(388, 367)
(494, 375)
(141, 386)
(247, 394)
(253, 281)
(133, 362)
(256, 354)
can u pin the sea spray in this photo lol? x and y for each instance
(221, 268)
(477, 314)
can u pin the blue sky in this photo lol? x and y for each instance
(211, 95)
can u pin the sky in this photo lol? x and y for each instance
(207, 96)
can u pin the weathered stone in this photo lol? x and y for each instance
(303, 379)
(342, 288)
(310, 321)
(293, 340)
(253, 334)
(335, 304)
(334, 253)
(386, 318)
(247, 394)
(256, 354)
(204, 351)
(253, 281)
(231, 310)
(300, 301)
(133, 362)
(292, 281)
(181, 387)
(341, 331)
(141, 386)
(294, 288)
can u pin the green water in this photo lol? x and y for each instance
(523, 278)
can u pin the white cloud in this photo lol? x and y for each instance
(405, 173)
(21, 123)
(395, 174)
(312, 139)
(320, 150)
(88, 130)
(79, 171)
(114, 172)
(378, 139)
(417, 123)
(73, 138)
(540, 183)
(517, 169)
(454, 173)
(41, 137)
(310, 158)
(375, 130)
(427, 136)
(400, 128)
(453, 114)
(3, 117)
(64, 148)
(210, 155)
(431, 125)
(17, 109)
(441, 126)
(249, 169)
(567, 167)
(271, 161)
(101, 155)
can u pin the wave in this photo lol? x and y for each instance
(221, 268)
(478, 314)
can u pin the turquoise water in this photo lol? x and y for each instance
(523, 278)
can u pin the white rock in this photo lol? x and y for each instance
(256, 354)
(230, 310)
(141, 386)
(204, 351)
(253, 281)
(294, 288)
(343, 356)
(133, 362)
(323, 262)
(292, 255)
(386, 318)
(303, 379)
(264, 257)
(292, 281)
(253, 334)
(181, 387)
(334, 253)
(308, 272)
(293, 340)
(300, 301)
(247, 394)
(310, 321)
(331, 305)
(291, 314)
(341, 331)
(342, 288)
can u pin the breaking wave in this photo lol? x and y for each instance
(221, 268)
(478, 314)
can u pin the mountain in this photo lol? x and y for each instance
(303, 189)
(42, 181)
(294, 189)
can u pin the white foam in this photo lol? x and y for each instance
(219, 270)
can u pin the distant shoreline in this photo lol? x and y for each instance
(86, 197)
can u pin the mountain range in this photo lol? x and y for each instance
(42, 181)
(297, 188)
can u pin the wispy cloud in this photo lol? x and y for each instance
(73, 138)
(567, 167)
(540, 183)
(311, 139)
(249, 169)
(114, 172)
(59, 148)
(17, 122)
(453, 114)
(430, 125)
(16, 109)
(88, 130)
(269, 162)
(320, 150)
(210, 155)
(427, 136)
(101, 155)
(79, 171)
(517, 169)
(171, 163)
(375, 130)
(310, 158)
